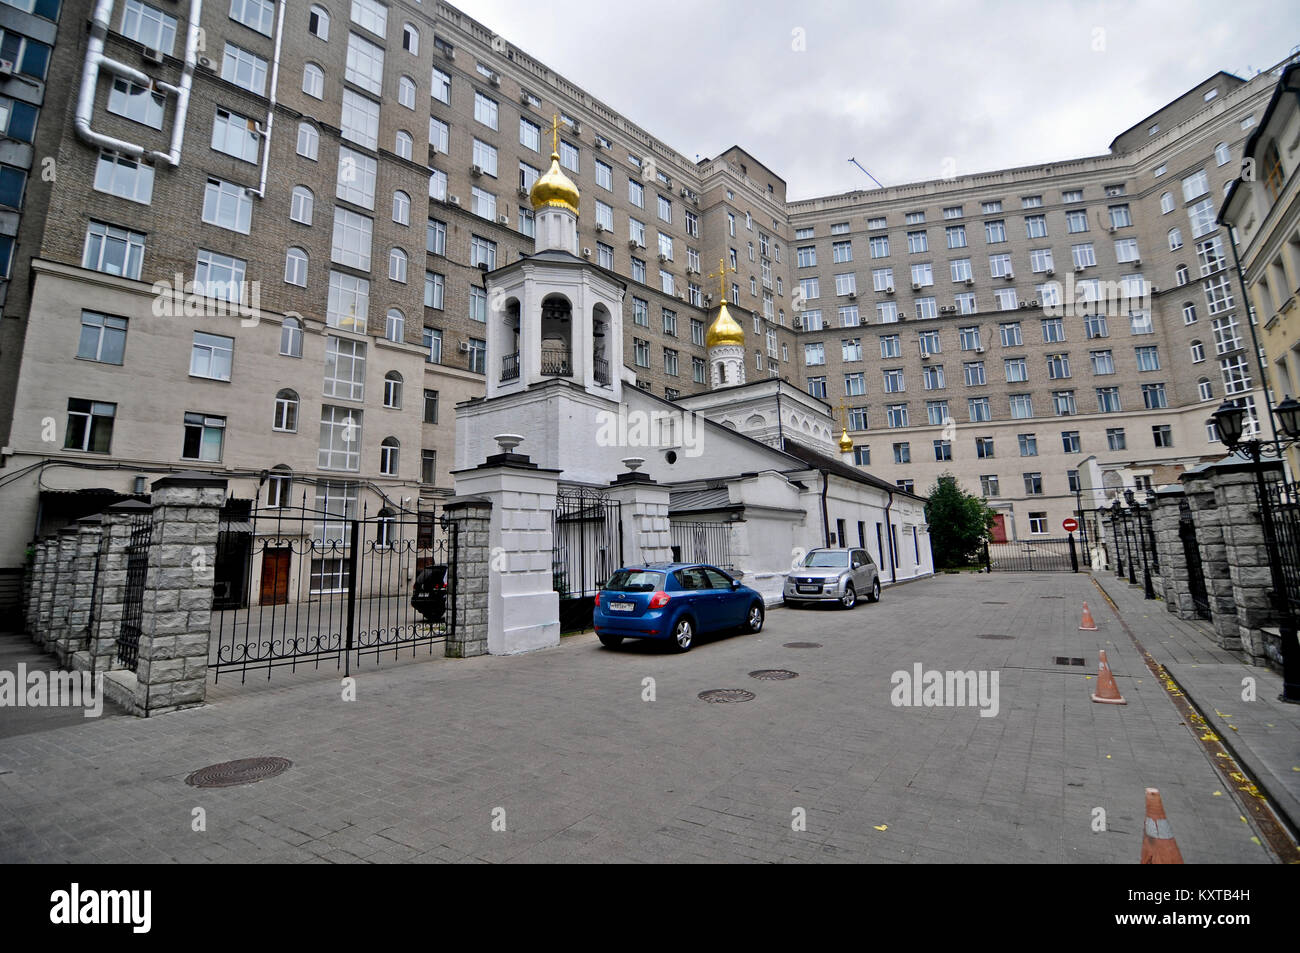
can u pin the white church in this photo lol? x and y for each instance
(752, 472)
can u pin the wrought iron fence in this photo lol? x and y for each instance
(701, 542)
(137, 571)
(1032, 555)
(329, 586)
(1282, 500)
(1192, 556)
(587, 534)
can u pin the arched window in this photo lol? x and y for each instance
(1175, 239)
(401, 208)
(291, 338)
(295, 267)
(404, 145)
(410, 38)
(395, 325)
(1198, 352)
(1204, 389)
(1180, 275)
(279, 486)
(1166, 203)
(385, 529)
(300, 207)
(406, 92)
(286, 411)
(313, 81)
(308, 140)
(393, 390)
(388, 453)
(318, 22)
(1189, 312)
(1222, 154)
(397, 264)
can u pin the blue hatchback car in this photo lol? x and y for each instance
(673, 601)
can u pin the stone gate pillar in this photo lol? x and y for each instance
(35, 589)
(101, 650)
(644, 513)
(1208, 521)
(81, 596)
(65, 548)
(1166, 518)
(523, 608)
(471, 565)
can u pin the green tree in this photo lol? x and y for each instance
(959, 523)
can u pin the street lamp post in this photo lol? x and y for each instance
(1114, 528)
(1230, 421)
(1128, 536)
(1135, 509)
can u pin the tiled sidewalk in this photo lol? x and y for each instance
(1264, 734)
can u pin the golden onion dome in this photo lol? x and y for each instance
(554, 189)
(846, 442)
(724, 329)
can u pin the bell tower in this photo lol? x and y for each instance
(725, 341)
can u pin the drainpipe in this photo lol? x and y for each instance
(270, 110)
(889, 535)
(96, 60)
(826, 522)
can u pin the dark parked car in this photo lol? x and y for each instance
(673, 601)
(429, 593)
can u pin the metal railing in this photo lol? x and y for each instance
(701, 542)
(510, 367)
(557, 362)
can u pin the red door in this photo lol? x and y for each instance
(275, 577)
(1000, 528)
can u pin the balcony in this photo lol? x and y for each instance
(600, 371)
(556, 362)
(510, 367)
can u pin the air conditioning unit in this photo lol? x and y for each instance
(1009, 276)
(154, 56)
(853, 296)
(979, 350)
(925, 355)
(916, 286)
(504, 219)
(662, 258)
(1111, 229)
(1050, 272)
(524, 100)
(798, 324)
(495, 79)
(1137, 262)
(889, 290)
(464, 347)
(586, 253)
(1024, 304)
(1034, 303)
(970, 282)
(683, 192)
(523, 192)
(449, 52)
(708, 299)
(1079, 268)
(600, 228)
(205, 62)
(453, 200)
(576, 127)
(1154, 289)
(475, 170)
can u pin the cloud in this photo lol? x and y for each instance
(899, 86)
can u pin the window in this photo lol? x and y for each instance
(1108, 400)
(1084, 256)
(441, 88)
(406, 92)
(999, 265)
(90, 425)
(318, 22)
(360, 119)
(345, 368)
(814, 353)
(137, 103)
(434, 285)
(1007, 299)
(936, 412)
(927, 308)
(295, 267)
(349, 302)
(227, 205)
(478, 304)
(922, 274)
(569, 156)
(432, 340)
(211, 355)
(103, 338)
(879, 246)
(1034, 487)
(340, 438)
(1022, 406)
(1053, 330)
(896, 415)
(149, 27)
(1126, 250)
(929, 342)
(969, 337)
(1038, 521)
(980, 411)
(1205, 389)
(917, 242)
(973, 373)
(301, 203)
(483, 203)
(1076, 221)
(1035, 226)
(1175, 239)
(902, 453)
(285, 418)
(244, 69)
(1198, 352)
(960, 269)
(942, 450)
(125, 178)
(890, 346)
(670, 362)
(1096, 326)
(112, 250)
(1218, 294)
(356, 178)
(995, 232)
(1070, 441)
(1115, 439)
(893, 380)
(956, 236)
(1017, 369)
(351, 240)
(1028, 444)
(1201, 215)
(313, 81)
(410, 39)
(1236, 374)
(308, 141)
(1222, 154)
(1058, 366)
(478, 356)
(482, 252)
(204, 434)
(397, 265)
(435, 239)
(1162, 435)
(1063, 403)
(371, 15)
(220, 276)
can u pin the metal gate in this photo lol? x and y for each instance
(137, 570)
(323, 585)
(1192, 553)
(701, 542)
(1032, 555)
(587, 535)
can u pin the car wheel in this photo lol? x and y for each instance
(850, 597)
(754, 621)
(683, 635)
(611, 641)
(875, 591)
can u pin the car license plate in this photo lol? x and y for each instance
(810, 588)
(622, 606)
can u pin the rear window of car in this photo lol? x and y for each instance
(635, 580)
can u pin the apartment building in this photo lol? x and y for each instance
(1015, 326)
(263, 252)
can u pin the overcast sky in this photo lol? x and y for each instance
(902, 86)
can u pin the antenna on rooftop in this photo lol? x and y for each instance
(866, 173)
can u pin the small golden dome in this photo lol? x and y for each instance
(554, 189)
(846, 442)
(724, 329)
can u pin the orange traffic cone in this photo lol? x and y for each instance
(1158, 844)
(1107, 691)
(1086, 624)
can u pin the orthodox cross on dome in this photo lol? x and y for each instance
(721, 275)
(555, 134)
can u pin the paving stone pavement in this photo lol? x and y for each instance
(1263, 733)
(584, 770)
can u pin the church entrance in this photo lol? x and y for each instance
(587, 534)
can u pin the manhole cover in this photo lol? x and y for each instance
(993, 635)
(723, 696)
(995, 603)
(773, 674)
(1063, 660)
(243, 771)
(803, 645)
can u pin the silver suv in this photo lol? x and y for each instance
(833, 575)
